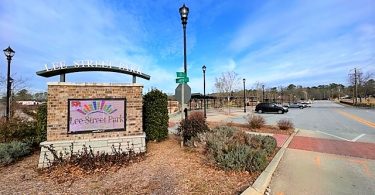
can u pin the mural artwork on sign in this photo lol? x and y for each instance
(96, 115)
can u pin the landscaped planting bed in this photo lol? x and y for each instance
(265, 129)
(166, 169)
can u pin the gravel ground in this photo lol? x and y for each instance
(166, 169)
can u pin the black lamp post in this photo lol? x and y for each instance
(244, 96)
(263, 93)
(9, 53)
(184, 11)
(204, 89)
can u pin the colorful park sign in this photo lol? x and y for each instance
(96, 115)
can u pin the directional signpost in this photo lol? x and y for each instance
(183, 91)
(182, 78)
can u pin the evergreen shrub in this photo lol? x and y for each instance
(41, 123)
(12, 151)
(155, 115)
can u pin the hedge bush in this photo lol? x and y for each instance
(17, 129)
(232, 149)
(10, 152)
(41, 123)
(192, 126)
(155, 115)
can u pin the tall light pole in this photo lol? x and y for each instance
(184, 11)
(244, 96)
(9, 53)
(204, 89)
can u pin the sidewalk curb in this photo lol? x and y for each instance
(262, 182)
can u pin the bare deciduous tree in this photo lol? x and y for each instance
(226, 83)
(359, 81)
(18, 84)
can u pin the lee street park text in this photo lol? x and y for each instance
(93, 64)
(90, 120)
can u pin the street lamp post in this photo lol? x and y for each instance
(11, 95)
(204, 89)
(184, 11)
(244, 96)
(9, 53)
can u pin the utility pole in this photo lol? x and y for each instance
(359, 84)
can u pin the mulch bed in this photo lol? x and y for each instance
(166, 169)
(244, 127)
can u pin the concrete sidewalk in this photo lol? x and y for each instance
(319, 166)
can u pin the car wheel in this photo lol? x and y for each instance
(281, 112)
(260, 111)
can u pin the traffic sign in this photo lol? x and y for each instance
(187, 93)
(181, 74)
(182, 80)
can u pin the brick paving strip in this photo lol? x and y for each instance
(280, 139)
(346, 148)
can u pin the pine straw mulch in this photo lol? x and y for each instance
(165, 169)
(244, 127)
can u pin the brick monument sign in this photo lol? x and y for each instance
(99, 115)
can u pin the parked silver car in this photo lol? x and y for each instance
(296, 105)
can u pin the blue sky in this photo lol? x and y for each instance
(273, 42)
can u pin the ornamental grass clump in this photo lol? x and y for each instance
(232, 149)
(255, 121)
(285, 124)
(88, 160)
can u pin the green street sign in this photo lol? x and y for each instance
(181, 74)
(182, 80)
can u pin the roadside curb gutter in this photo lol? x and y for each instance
(262, 182)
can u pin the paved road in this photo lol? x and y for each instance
(327, 119)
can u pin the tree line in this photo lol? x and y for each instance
(360, 85)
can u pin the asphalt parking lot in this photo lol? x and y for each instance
(333, 153)
(327, 119)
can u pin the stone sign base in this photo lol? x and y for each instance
(135, 142)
